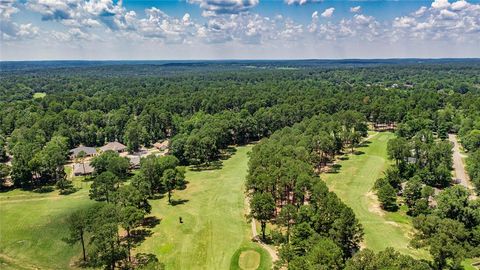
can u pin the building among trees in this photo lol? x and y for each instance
(82, 168)
(88, 151)
(114, 146)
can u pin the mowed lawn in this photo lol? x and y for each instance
(214, 233)
(353, 184)
(32, 226)
(214, 225)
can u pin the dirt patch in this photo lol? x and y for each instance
(392, 223)
(373, 204)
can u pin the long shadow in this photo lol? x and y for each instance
(364, 144)
(227, 153)
(358, 153)
(139, 235)
(214, 165)
(151, 222)
(335, 168)
(178, 202)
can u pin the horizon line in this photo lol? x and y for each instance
(244, 59)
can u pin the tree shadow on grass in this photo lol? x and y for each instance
(334, 169)
(178, 202)
(214, 165)
(227, 153)
(364, 144)
(139, 235)
(151, 222)
(157, 196)
(69, 191)
(344, 158)
(358, 152)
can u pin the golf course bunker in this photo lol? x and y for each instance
(249, 260)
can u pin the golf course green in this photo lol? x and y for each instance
(353, 184)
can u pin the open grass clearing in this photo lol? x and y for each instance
(213, 235)
(214, 225)
(353, 184)
(39, 95)
(32, 226)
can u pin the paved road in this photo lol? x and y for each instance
(458, 165)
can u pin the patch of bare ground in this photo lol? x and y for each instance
(373, 204)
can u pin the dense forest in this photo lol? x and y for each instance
(301, 116)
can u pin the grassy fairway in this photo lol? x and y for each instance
(353, 185)
(214, 225)
(32, 226)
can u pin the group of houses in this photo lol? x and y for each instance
(83, 154)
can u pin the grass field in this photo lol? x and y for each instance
(214, 233)
(353, 184)
(214, 227)
(32, 226)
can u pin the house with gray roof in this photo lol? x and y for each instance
(82, 169)
(134, 161)
(89, 151)
(113, 146)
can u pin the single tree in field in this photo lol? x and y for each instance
(77, 224)
(129, 195)
(130, 218)
(262, 209)
(103, 186)
(171, 179)
(106, 247)
(387, 197)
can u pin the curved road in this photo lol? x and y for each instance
(257, 238)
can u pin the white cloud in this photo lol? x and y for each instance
(355, 9)
(359, 27)
(459, 5)
(440, 4)
(447, 14)
(7, 9)
(301, 2)
(79, 13)
(404, 22)
(420, 12)
(229, 24)
(456, 22)
(218, 7)
(328, 12)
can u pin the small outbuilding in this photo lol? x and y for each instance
(114, 146)
(162, 146)
(134, 161)
(82, 169)
(89, 151)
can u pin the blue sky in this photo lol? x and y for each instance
(237, 29)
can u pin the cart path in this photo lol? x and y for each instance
(256, 238)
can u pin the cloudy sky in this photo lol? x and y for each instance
(237, 29)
